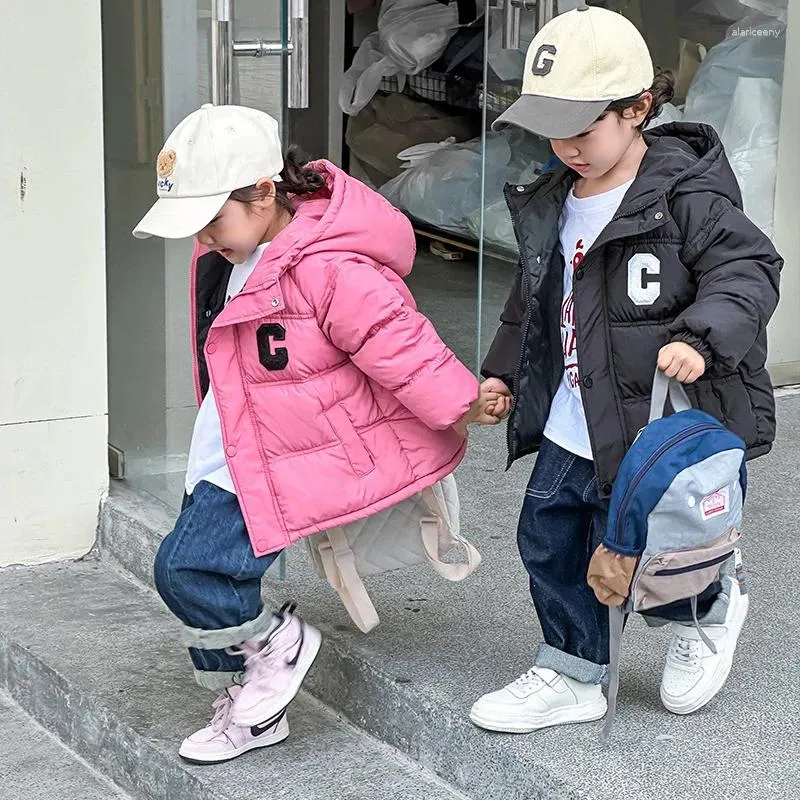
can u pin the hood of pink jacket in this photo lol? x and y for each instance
(354, 219)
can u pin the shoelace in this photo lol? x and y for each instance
(223, 707)
(686, 651)
(530, 681)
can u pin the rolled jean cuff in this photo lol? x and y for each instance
(573, 667)
(217, 681)
(221, 638)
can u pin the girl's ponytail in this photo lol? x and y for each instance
(296, 180)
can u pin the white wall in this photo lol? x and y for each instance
(53, 461)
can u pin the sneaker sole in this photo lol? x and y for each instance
(682, 709)
(267, 741)
(269, 710)
(588, 712)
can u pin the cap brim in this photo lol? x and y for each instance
(179, 217)
(551, 117)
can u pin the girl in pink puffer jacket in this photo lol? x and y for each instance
(325, 397)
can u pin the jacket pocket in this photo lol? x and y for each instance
(681, 574)
(357, 454)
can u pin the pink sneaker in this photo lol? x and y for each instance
(275, 669)
(222, 740)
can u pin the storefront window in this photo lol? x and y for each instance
(416, 128)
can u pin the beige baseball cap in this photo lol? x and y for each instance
(577, 64)
(213, 152)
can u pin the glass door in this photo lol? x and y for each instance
(162, 60)
(727, 59)
(509, 157)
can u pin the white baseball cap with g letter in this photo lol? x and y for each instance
(578, 64)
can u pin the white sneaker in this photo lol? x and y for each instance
(694, 674)
(538, 699)
(222, 740)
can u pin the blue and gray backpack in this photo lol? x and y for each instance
(676, 506)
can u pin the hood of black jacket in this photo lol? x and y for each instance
(682, 158)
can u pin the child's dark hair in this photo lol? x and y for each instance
(296, 179)
(663, 90)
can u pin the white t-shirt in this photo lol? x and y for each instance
(206, 453)
(582, 220)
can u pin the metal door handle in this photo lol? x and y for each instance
(512, 17)
(221, 51)
(224, 48)
(298, 54)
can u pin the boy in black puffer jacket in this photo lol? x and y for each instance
(635, 253)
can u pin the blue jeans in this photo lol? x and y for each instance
(209, 577)
(563, 520)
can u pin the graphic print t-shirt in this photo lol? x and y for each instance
(582, 220)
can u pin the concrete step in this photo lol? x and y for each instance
(34, 765)
(411, 682)
(93, 657)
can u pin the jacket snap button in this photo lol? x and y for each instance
(588, 382)
(520, 188)
(261, 544)
(212, 348)
(607, 487)
(579, 275)
(659, 215)
(208, 313)
(230, 451)
(275, 302)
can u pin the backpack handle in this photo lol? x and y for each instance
(677, 396)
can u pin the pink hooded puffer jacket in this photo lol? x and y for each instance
(336, 396)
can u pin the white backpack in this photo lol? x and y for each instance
(420, 530)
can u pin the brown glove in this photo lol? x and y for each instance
(610, 575)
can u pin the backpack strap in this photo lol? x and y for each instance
(439, 531)
(658, 400)
(339, 565)
(616, 624)
(431, 529)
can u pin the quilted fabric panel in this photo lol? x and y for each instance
(391, 539)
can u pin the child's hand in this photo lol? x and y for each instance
(488, 408)
(680, 360)
(502, 406)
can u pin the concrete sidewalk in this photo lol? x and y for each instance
(411, 682)
(34, 765)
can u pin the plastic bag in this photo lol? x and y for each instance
(392, 122)
(668, 113)
(750, 138)
(710, 96)
(411, 35)
(770, 8)
(498, 229)
(445, 188)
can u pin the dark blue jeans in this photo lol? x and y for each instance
(209, 577)
(563, 520)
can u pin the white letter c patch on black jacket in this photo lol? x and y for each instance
(644, 283)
